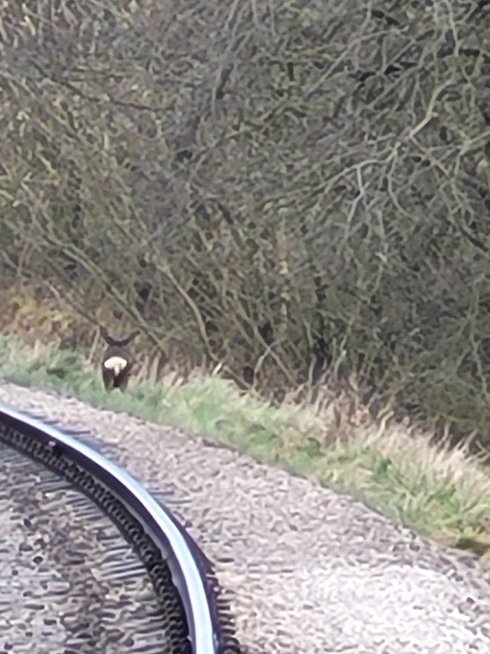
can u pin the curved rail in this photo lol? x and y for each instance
(189, 567)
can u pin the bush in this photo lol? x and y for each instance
(288, 192)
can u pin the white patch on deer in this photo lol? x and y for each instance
(116, 364)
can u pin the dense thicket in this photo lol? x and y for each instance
(277, 186)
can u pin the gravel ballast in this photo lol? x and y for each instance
(305, 569)
(69, 582)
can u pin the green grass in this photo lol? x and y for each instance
(441, 492)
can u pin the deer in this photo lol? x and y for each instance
(117, 361)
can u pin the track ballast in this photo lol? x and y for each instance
(151, 591)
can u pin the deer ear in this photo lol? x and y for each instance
(105, 335)
(128, 339)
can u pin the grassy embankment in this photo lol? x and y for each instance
(440, 492)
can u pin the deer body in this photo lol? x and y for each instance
(117, 362)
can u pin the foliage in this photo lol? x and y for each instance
(285, 190)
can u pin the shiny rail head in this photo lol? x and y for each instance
(185, 559)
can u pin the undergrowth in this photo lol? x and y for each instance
(440, 491)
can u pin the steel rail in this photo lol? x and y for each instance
(185, 560)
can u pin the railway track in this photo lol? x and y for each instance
(89, 560)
